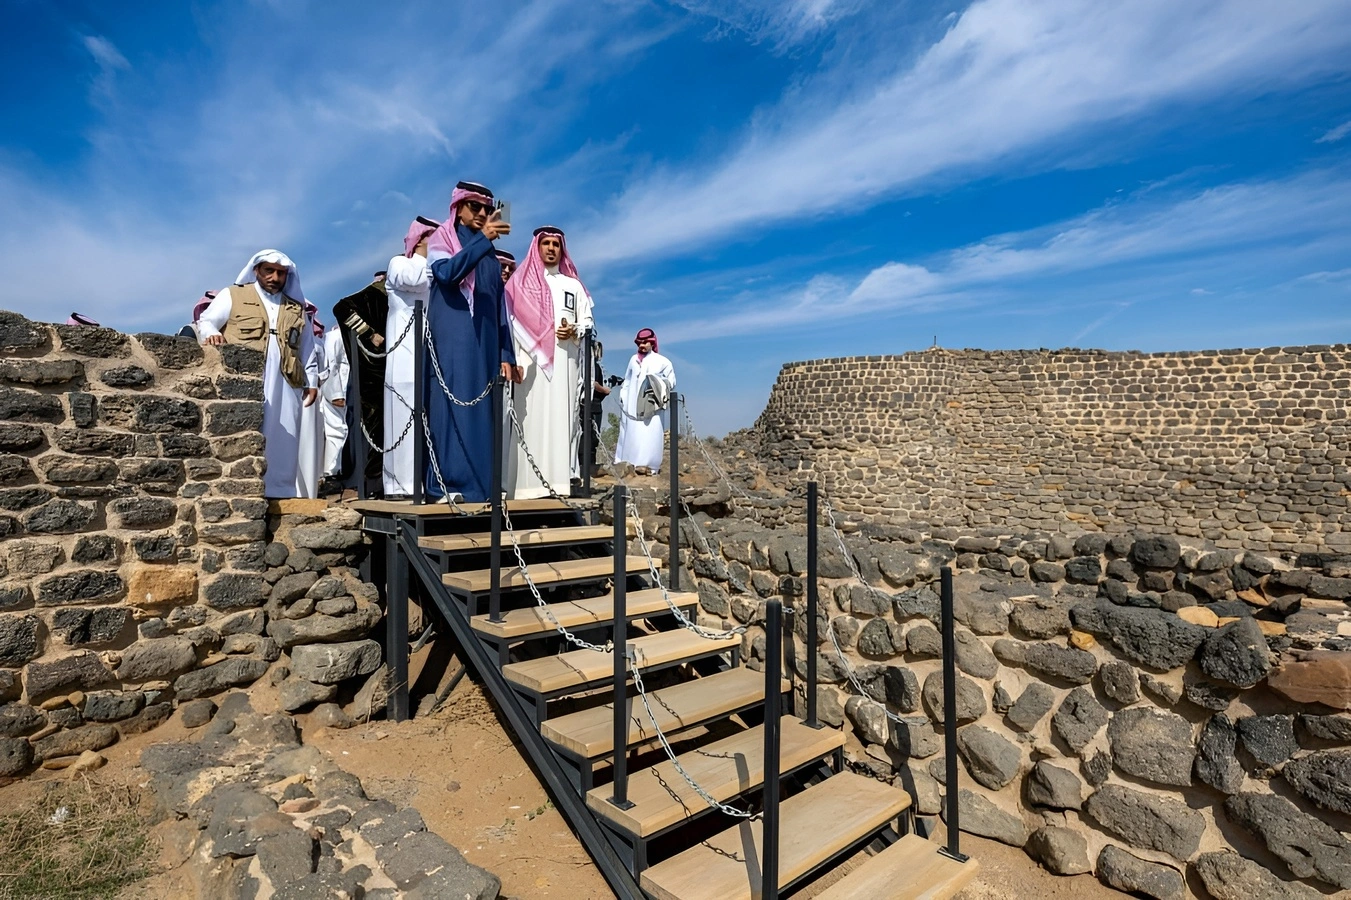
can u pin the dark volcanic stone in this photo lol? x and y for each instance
(78, 627)
(81, 672)
(184, 446)
(241, 360)
(234, 417)
(112, 706)
(59, 517)
(155, 547)
(85, 340)
(1127, 872)
(1096, 767)
(1327, 728)
(41, 372)
(17, 437)
(1310, 847)
(231, 592)
(16, 596)
(1083, 570)
(1324, 777)
(1094, 544)
(166, 415)
(1147, 820)
(18, 719)
(171, 351)
(1120, 682)
(1079, 718)
(1216, 763)
(1157, 552)
(970, 698)
(90, 548)
(1237, 654)
(233, 671)
(20, 639)
(126, 377)
(17, 333)
(1270, 740)
(1207, 694)
(1036, 701)
(1068, 664)
(1228, 876)
(29, 406)
(1151, 637)
(142, 512)
(991, 760)
(1152, 744)
(85, 586)
(94, 441)
(1053, 787)
(902, 688)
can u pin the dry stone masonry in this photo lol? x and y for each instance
(1170, 714)
(1245, 448)
(140, 568)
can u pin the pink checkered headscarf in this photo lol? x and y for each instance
(531, 303)
(444, 242)
(420, 229)
(201, 305)
(313, 312)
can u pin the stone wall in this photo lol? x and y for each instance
(1169, 715)
(1247, 448)
(139, 564)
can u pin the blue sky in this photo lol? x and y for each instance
(760, 181)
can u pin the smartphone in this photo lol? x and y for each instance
(503, 208)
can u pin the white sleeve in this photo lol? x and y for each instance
(668, 372)
(214, 317)
(336, 370)
(311, 353)
(585, 315)
(408, 273)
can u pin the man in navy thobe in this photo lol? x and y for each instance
(472, 336)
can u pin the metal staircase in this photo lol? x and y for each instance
(677, 765)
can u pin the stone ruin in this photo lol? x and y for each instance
(1151, 573)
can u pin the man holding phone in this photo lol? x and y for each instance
(468, 322)
(550, 312)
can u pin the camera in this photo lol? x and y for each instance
(614, 381)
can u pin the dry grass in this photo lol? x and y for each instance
(92, 849)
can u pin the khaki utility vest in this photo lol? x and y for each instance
(248, 325)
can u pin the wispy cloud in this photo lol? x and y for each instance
(781, 23)
(1259, 221)
(110, 61)
(1007, 79)
(1335, 134)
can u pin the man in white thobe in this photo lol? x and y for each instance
(641, 429)
(264, 309)
(408, 283)
(550, 312)
(333, 398)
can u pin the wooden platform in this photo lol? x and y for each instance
(576, 668)
(910, 869)
(726, 768)
(814, 826)
(589, 733)
(525, 537)
(523, 623)
(409, 508)
(479, 581)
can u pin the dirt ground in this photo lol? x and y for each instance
(462, 772)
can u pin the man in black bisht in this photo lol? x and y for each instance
(364, 314)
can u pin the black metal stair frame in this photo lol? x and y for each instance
(548, 766)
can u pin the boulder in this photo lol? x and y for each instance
(1036, 701)
(970, 698)
(902, 688)
(1148, 821)
(914, 737)
(83, 671)
(1079, 718)
(158, 659)
(1309, 846)
(1062, 851)
(1228, 876)
(1156, 552)
(1324, 777)
(868, 717)
(1216, 763)
(1323, 677)
(1237, 654)
(1152, 744)
(1151, 637)
(1053, 787)
(232, 671)
(971, 654)
(1270, 740)
(320, 629)
(979, 815)
(1066, 664)
(1127, 872)
(992, 760)
(331, 663)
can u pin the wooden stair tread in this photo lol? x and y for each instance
(589, 733)
(724, 769)
(814, 826)
(578, 667)
(578, 613)
(910, 869)
(525, 537)
(409, 508)
(476, 581)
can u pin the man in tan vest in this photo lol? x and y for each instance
(264, 309)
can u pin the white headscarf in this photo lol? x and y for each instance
(276, 257)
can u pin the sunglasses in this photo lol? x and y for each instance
(476, 207)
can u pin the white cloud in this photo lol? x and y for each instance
(110, 61)
(1335, 134)
(1009, 77)
(1254, 221)
(781, 23)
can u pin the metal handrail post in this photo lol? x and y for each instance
(396, 627)
(953, 848)
(358, 435)
(419, 437)
(495, 504)
(813, 601)
(588, 399)
(620, 651)
(769, 841)
(674, 540)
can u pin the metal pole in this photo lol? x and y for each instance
(769, 843)
(620, 652)
(812, 603)
(950, 715)
(396, 626)
(495, 503)
(674, 540)
(361, 454)
(419, 438)
(588, 398)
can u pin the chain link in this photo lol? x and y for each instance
(408, 426)
(440, 378)
(376, 354)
